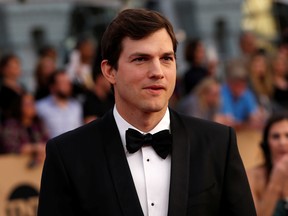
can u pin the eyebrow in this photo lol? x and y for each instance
(139, 54)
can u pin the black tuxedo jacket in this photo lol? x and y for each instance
(86, 172)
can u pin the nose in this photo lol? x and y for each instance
(156, 70)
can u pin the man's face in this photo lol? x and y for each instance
(62, 87)
(12, 69)
(248, 43)
(237, 87)
(146, 74)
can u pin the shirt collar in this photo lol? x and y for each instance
(123, 125)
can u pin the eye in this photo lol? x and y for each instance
(139, 59)
(275, 136)
(168, 58)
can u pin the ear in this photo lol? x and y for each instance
(108, 72)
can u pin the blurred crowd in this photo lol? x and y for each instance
(244, 94)
(251, 87)
(248, 92)
(64, 98)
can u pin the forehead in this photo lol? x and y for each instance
(12, 60)
(159, 41)
(61, 76)
(280, 126)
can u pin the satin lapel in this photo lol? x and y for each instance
(179, 183)
(120, 170)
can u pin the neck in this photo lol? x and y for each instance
(12, 83)
(144, 121)
(60, 101)
(26, 121)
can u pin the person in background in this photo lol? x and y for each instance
(279, 9)
(248, 47)
(195, 55)
(269, 182)
(59, 111)
(283, 45)
(260, 81)
(10, 89)
(80, 66)
(280, 81)
(45, 67)
(203, 102)
(99, 100)
(26, 133)
(48, 51)
(239, 107)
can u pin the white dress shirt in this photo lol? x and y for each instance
(59, 119)
(151, 173)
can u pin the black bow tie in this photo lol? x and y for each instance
(161, 141)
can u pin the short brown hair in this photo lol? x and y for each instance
(135, 24)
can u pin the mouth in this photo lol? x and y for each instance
(155, 89)
(283, 152)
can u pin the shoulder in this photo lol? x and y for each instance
(212, 141)
(75, 103)
(85, 136)
(200, 126)
(11, 124)
(249, 92)
(225, 92)
(83, 132)
(43, 101)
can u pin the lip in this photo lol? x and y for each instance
(282, 153)
(155, 89)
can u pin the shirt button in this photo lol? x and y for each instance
(152, 204)
(148, 160)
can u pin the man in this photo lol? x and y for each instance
(239, 104)
(59, 111)
(248, 47)
(91, 170)
(99, 100)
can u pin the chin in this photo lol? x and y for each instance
(154, 108)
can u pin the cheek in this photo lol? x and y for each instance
(274, 146)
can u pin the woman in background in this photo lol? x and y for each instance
(10, 89)
(269, 182)
(24, 134)
(44, 68)
(280, 81)
(203, 102)
(260, 78)
(195, 54)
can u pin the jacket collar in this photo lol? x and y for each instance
(179, 183)
(120, 172)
